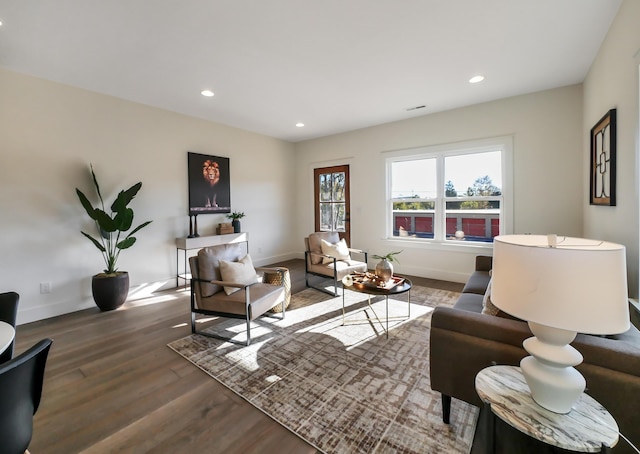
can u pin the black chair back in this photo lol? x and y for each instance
(21, 381)
(8, 314)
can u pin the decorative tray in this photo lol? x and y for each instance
(370, 281)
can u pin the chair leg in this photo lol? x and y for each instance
(446, 408)
(248, 330)
(193, 322)
(322, 289)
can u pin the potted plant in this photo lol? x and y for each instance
(110, 288)
(384, 268)
(235, 220)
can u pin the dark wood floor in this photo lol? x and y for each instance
(113, 385)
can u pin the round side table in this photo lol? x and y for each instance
(274, 277)
(588, 427)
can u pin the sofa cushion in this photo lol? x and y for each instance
(477, 283)
(240, 272)
(471, 302)
(488, 307)
(339, 250)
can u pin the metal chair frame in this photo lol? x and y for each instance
(247, 315)
(308, 273)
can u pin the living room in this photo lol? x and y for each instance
(51, 132)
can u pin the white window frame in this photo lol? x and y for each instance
(504, 144)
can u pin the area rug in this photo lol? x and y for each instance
(342, 388)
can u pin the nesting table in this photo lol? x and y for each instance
(588, 427)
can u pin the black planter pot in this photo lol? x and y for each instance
(236, 226)
(110, 291)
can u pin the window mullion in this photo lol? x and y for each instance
(440, 215)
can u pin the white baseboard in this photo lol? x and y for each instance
(276, 258)
(55, 309)
(34, 314)
(141, 291)
(430, 273)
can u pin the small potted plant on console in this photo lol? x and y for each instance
(235, 220)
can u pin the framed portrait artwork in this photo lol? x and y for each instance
(603, 161)
(209, 185)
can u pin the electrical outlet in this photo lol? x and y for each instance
(45, 287)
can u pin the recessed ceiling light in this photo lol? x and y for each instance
(476, 79)
(207, 93)
(299, 125)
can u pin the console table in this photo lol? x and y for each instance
(588, 427)
(187, 244)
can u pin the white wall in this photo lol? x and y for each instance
(49, 133)
(547, 140)
(612, 82)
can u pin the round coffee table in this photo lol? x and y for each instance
(402, 287)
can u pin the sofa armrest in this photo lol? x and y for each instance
(462, 343)
(498, 329)
(619, 355)
(484, 263)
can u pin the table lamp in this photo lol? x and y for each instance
(561, 286)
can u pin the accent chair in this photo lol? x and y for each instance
(326, 256)
(224, 283)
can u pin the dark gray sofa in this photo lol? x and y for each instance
(464, 341)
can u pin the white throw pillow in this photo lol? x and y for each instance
(340, 250)
(487, 306)
(240, 272)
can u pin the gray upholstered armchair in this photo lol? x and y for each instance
(224, 283)
(330, 260)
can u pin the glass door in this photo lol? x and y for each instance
(331, 196)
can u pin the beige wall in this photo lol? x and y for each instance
(612, 82)
(547, 141)
(49, 133)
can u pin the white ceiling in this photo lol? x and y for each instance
(335, 65)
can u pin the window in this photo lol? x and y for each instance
(450, 193)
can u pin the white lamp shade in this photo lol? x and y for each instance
(579, 285)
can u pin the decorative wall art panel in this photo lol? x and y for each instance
(603, 161)
(209, 184)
